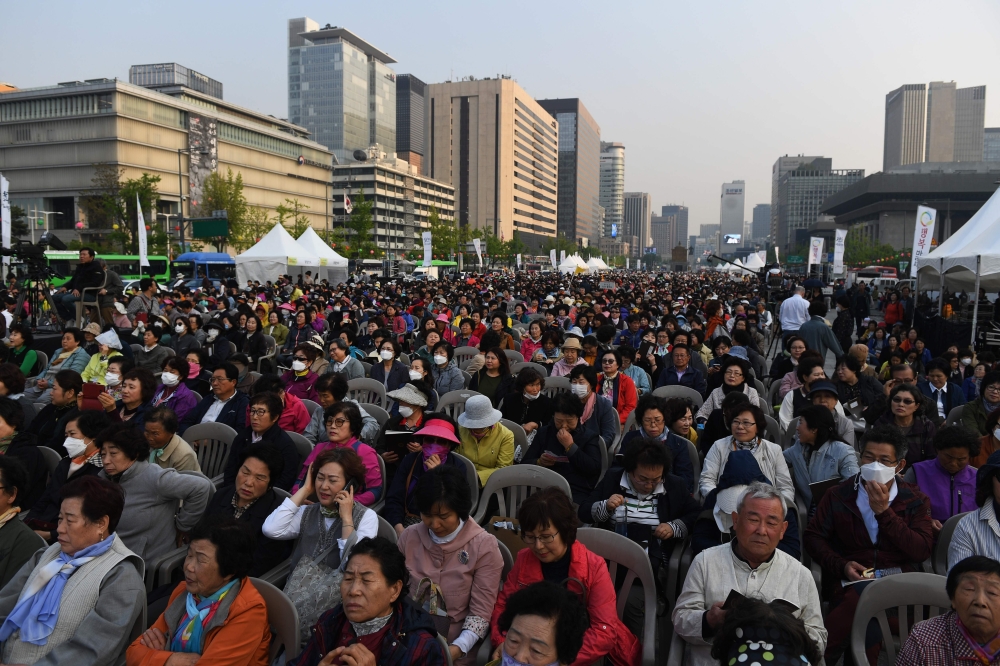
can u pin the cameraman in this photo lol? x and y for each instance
(88, 274)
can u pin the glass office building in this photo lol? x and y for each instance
(340, 88)
(170, 74)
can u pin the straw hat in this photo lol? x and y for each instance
(410, 395)
(479, 413)
(572, 343)
(92, 328)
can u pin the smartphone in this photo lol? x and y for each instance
(351, 485)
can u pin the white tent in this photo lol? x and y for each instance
(754, 262)
(971, 252)
(595, 264)
(573, 263)
(276, 254)
(332, 266)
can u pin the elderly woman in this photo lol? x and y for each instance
(572, 356)
(498, 323)
(109, 346)
(968, 632)
(275, 328)
(817, 455)
(948, 480)
(161, 505)
(598, 412)
(300, 381)
(75, 601)
(654, 417)
(748, 425)
(373, 625)
(330, 389)
(645, 502)
(735, 377)
(526, 404)
(172, 391)
(466, 337)
(906, 412)
(166, 448)
(447, 376)
(853, 385)
(183, 339)
(412, 400)
(431, 338)
(548, 524)
(262, 426)
(571, 451)
(70, 357)
(454, 563)
(390, 372)
(197, 328)
(485, 441)
(343, 424)
(494, 380)
(545, 623)
(325, 531)
(681, 418)
(215, 615)
(615, 385)
(17, 541)
(138, 387)
(548, 354)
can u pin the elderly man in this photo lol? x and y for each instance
(681, 373)
(794, 313)
(749, 565)
(874, 521)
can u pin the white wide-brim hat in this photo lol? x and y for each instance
(479, 413)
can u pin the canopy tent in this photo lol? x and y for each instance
(754, 262)
(595, 264)
(573, 264)
(332, 266)
(275, 254)
(971, 252)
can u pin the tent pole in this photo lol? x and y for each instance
(975, 307)
(941, 289)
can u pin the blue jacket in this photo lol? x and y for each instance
(833, 459)
(691, 378)
(633, 340)
(602, 421)
(953, 397)
(678, 451)
(233, 414)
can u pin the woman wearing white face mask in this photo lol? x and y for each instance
(84, 459)
(390, 372)
(526, 404)
(447, 376)
(300, 381)
(412, 399)
(109, 346)
(598, 412)
(173, 392)
(181, 339)
(117, 367)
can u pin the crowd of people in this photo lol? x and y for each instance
(691, 413)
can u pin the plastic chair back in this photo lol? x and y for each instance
(680, 392)
(443, 642)
(520, 437)
(311, 406)
(368, 368)
(377, 506)
(695, 463)
(512, 485)
(302, 445)
(43, 358)
(452, 403)
(50, 456)
(386, 530)
(955, 415)
(772, 398)
(773, 429)
(604, 458)
(759, 385)
(621, 551)
(553, 385)
(272, 350)
(788, 436)
(367, 390)
(518, 366)
(905, 591)
(467, 377)
(212, 442)
(471, 476)
(940, 557)
(513, 356)
(376, 413)
(508, 560)
(463, 354)
(283, 618)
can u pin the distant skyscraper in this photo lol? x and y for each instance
(638, 211)
(612, 191)
(782, 166)
(340, 88)
(678, 218)
(801, 193)
(731, 211)
(904, 126)
(761, 226)
(970, 115)
(661, 229)
(940, 135)
(991, 144)
(410, 142)
(579, 170)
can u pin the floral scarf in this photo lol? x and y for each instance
(985, 654)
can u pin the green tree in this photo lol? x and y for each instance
(18, 222)
(859, 250)
(359, 225)
(226, 193)
(291, 217)
(445, 235)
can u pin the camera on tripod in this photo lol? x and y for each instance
(33, 256)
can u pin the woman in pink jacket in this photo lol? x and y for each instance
(454, 563)
(531, 342)
(548, 526)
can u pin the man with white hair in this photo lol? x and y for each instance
(749, 565)
(794, 312)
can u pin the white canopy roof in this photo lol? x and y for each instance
(754, 261)
(974, 248)
(596, 264)
(276, 254)
(311, 241)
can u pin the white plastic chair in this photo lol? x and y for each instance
(367, 390)
(376, 413)
(283, 618)
(512, 485)
(680, 392)
(553, 385)
(212, 442)
(311, 406)
(452, 403)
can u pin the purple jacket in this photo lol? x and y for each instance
(182, 400)
(949, 495)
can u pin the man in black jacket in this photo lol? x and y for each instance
(568, 449)
(88, 274)
(225, 405)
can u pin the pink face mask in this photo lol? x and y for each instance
(439, 450)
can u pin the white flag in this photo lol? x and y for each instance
(777, 259)
(838, 251)
(628, 263)
(815, 251)
(479, 250)
(427, 248)
(562, 256)
(519, 261)
(923, 233)
(552, 257)
(143, 258)
(348, 206)
(5, 216)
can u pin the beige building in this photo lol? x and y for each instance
(52, 138)
(499, 149)
(615, 247)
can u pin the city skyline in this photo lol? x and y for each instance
(688, 134)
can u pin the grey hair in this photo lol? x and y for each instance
(799, 289)
(761, 490)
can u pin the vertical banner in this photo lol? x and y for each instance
(777, 257)
(552, 257)
(479, 251)
(627, 263)
(838, 251)
(923, 233)
(519, 261)
(815, 251)
(143, 258)
(562, 256)
(427, 248)
(5, 217)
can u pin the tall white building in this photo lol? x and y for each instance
(637, 220)
(612, 191)
(731, 215)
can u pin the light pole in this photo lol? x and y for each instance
(46, 213)
(167, 229)
(180, 187)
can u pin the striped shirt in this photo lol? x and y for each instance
(637, 509)
(977, 533)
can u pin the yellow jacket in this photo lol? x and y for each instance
(96, 368)
(489, 454)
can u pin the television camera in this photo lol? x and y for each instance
(35, 274)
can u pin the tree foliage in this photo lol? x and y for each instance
(18, 222)
(226, 193)
(291, 217)
(354, 239)
(859, 250)
(112, 205)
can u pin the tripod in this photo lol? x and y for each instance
(36, 291)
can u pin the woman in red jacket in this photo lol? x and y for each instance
(616, 386)
(548, 526)
(893, 310)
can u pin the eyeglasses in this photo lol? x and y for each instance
(870, 458)
(219, 380)
(993, 388)
(652, 422)
(337, 423)
(259, 412)
(608, 361)
(544, 539)
(732, 372)
(903, 401)
(646, 481)
(744, 424)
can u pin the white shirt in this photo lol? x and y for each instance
(215, 409)
(794, 313)
(871, 524)
(285, 523)
(939, 394)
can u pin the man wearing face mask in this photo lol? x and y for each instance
(871, 525)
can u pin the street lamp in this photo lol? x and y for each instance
(46, 213)
(180, 187)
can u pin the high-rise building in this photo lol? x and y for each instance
(731, 211)
(612, 191)
(991, 144)
(579, 217)
(638, 210)
(801, 193)
(410, 103)
(171, 75)
(940, 134)
(970, 116)
(782, 166)
(761, 225)
(340, 88)
(904, 126)
(661, 231)
(499, 149)
(678, 218)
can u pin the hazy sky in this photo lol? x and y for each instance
(699, 92)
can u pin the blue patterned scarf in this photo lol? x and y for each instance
(189, 632)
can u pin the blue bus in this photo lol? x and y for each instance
(218, 266)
